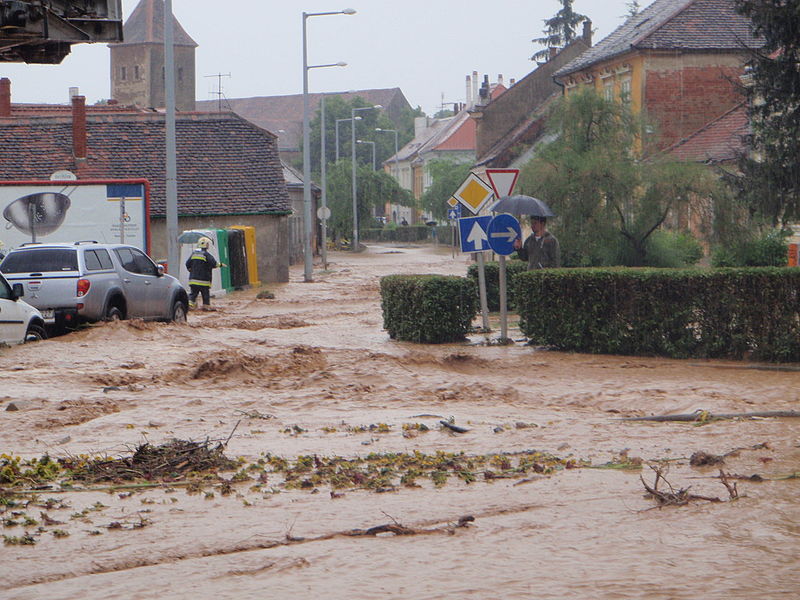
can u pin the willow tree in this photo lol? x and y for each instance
(609, 202)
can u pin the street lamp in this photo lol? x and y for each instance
(355, 187)
(394, 131)
(373, 150)
(337, 133)
(307, 220)
(396, 173)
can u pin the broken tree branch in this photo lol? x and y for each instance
(704, 416)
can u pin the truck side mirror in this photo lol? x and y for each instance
(18, 290)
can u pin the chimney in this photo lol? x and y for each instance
(469, 91)
(500, 79)
(474, 89)
(484, 93)
(79, 128)
(5, 97)
(73, 91)
(587, 32)
(511, 82)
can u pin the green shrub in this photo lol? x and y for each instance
(428, 309)
(492, 271)
(673, 249)
(732, 313)
(769, 250)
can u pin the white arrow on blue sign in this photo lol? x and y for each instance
(473, 234)
(454, 213)
(502, 231)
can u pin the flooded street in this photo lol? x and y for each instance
(312, 373)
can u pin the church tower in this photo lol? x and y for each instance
(137, 64)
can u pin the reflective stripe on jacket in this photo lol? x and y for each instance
(200, 265)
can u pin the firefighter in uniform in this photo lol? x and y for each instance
(200, 265)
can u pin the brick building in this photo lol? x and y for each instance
(678, 61)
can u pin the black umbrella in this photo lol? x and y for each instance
(522, 205)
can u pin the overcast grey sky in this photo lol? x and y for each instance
(424, 47)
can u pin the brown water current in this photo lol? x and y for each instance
(308, 372)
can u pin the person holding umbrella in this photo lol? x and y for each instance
(541, 248)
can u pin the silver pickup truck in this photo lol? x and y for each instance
(89, 281)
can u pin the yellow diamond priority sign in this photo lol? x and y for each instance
(452, 202)
(473, 193)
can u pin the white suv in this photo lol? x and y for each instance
(19, 321)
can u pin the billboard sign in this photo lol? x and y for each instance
(69, 211)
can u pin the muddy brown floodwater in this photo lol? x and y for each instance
(307, 373)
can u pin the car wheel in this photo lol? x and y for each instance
(113, 314)
(179, 312)
(35, 333)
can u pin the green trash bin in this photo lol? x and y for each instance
(224, 257)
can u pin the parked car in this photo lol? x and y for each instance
(88, 281)
(19, 321)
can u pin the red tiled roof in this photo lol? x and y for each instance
(65, 110)
(226, 165)
(460, 136)
(719, 141)
(146, 26)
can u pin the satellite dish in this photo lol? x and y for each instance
(63, 176)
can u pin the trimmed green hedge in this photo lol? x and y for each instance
(680, 313)
(492, 272)
(429, 309)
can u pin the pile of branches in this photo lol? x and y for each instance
(168, 461)
(669, 496)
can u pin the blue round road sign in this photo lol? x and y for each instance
(502, 232)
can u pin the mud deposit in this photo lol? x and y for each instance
(310, 376)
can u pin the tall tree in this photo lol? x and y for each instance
(559, 30)
(771, 175)
(608, 202)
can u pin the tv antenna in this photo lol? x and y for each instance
(219, 93)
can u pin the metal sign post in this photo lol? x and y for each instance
(502, 231)
(474, 238)
(122, 220)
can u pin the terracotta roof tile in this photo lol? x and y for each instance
(226, 165)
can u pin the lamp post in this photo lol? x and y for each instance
(307, 219)
(337, 133)
(396, 150)
(355, 187)
(171, 180)
(396, 173)
(373, 150)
